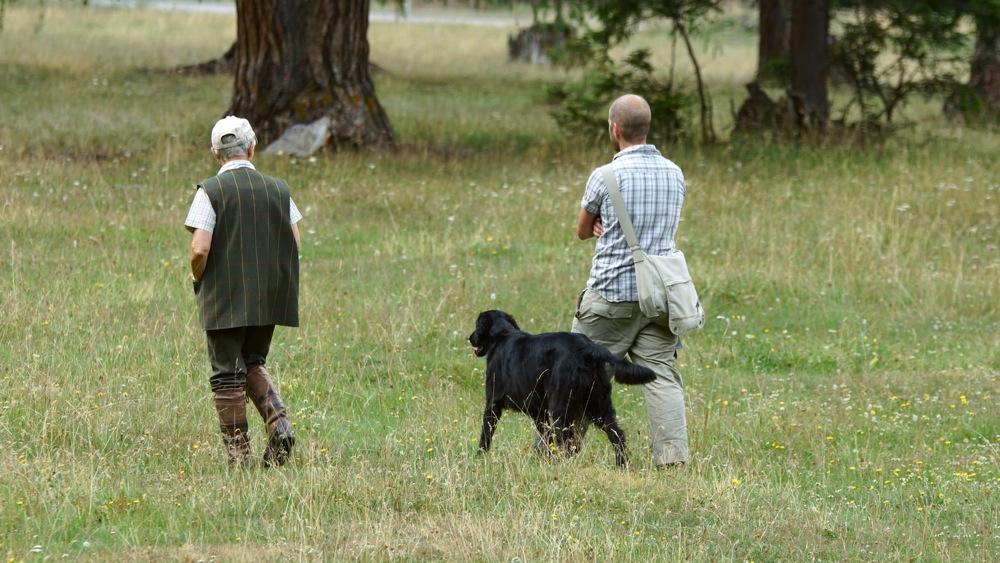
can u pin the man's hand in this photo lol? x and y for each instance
(598, 227)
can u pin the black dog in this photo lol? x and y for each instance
(561, 375)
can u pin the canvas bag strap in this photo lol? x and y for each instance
(623, 219)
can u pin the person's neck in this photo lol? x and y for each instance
(623, 144)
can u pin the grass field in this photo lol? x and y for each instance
(843, 399)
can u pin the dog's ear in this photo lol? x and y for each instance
(510, 320)
(501, 324)
(483, 323)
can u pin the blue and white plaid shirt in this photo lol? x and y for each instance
(653, 189)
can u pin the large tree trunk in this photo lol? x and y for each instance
(810, 29)
(301, 62)
(775, 31)
(759, 114)
(984, 74)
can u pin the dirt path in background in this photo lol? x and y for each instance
(377, 13)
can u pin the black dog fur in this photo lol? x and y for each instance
(557, 375)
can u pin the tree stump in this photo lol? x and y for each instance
(533, 44)
(759, 114)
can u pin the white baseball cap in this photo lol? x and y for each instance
(232, 125)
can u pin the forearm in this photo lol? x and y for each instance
(201, 245)
(588, 225)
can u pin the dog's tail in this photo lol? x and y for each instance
(632, 374)
(625, 372)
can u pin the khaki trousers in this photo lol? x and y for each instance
(622, 328)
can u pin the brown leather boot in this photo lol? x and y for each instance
(260, 390)
(231, 406)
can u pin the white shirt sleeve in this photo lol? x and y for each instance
(201, 215)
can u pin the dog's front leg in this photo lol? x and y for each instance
(491, 417)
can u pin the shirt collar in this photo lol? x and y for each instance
(647, 148)
(234, 164)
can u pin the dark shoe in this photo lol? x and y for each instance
(279, 444)
(231, 406)
(260, 390)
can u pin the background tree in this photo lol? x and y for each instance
(774, 28)
(979, 98)
(984, 72)
(793, 43)
(884, 52)
(305, 62)
(606, 25)
(808, 64)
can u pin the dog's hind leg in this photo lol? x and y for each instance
(544, 442)
(609, 424)
(573, 438)
(560, 423)
(567, 435)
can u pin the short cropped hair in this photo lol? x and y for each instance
(632, 115)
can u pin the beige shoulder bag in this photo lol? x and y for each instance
(666, 292)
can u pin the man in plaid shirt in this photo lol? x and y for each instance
(608, 310)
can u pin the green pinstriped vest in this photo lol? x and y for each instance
(252, 274)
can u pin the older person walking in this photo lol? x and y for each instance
(245, 268)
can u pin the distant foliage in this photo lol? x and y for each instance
(888, 53)
(581, 108)
(605, 25)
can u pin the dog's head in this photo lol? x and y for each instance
(491, 327)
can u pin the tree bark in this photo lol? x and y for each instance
(299, 62)
(810, 30)
(984, 73)
(774, 32)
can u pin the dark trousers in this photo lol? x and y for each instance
(232, 350)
